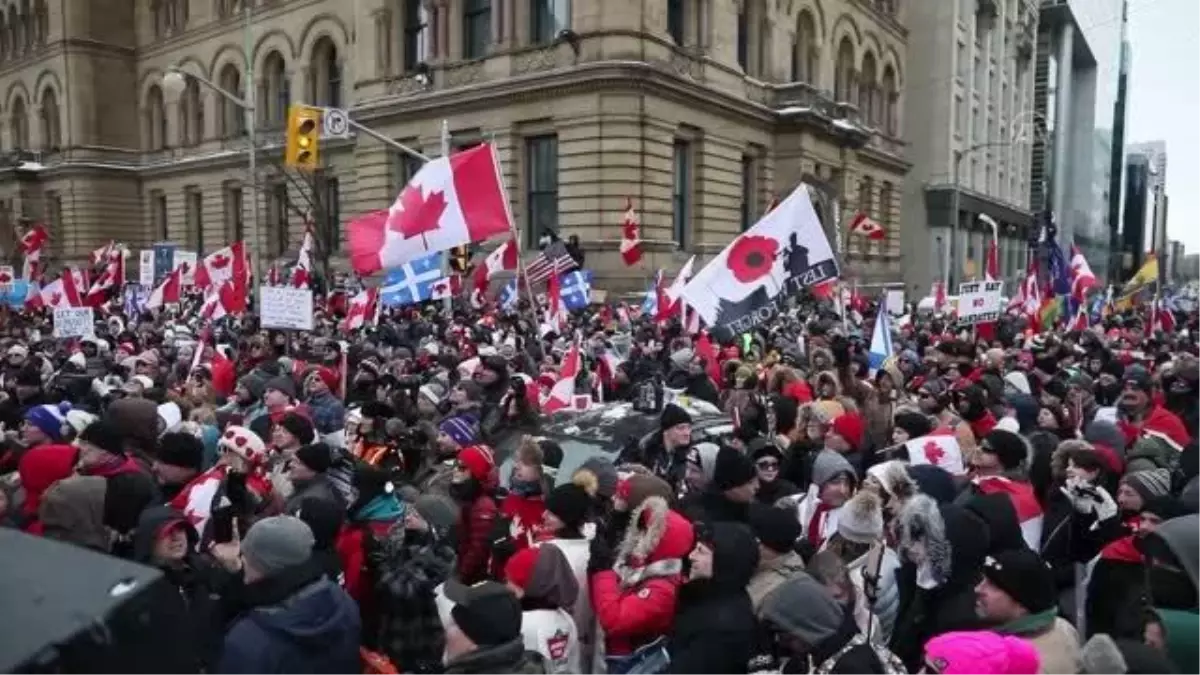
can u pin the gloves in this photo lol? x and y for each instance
(1089, 499)
(600, 556)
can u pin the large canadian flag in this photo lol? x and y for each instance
(227, 270)
(62, 292)
(451, 201)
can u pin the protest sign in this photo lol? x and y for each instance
(895, 302)
(146, 268)
(74, 322)
(979, 301)
(287, 308)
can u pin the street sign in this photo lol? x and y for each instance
(335, 122)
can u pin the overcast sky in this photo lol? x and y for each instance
(1164, 102)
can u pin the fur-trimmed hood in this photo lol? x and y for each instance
(893, 476)
(920, 521)
(827, 376)
(655, 535)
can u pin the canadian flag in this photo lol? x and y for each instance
(940, 449)
(451, 201)
(562, 394)
(556, 313)
(213, 307)
(1161, 318)
(864, 226)
(631, 236)
(228, 265)
(675, 291)
(446, 287)
(706, 350)
(303, 271)
(113, 275)
(1082, 278)
(504, 257)
(939, 295)
(31, 245)
(167, 292)
(362, 309)
(62, 292)
(1029, 511)
(1080, 320)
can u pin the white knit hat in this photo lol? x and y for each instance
(243, 443)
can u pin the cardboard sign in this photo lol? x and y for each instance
(895, 302)
(980, 301)
(286, 308)
(189, 275)
(74, 322)
(146, 267)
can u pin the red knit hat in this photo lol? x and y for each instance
(478, 460)
(329, 377)
(519, 568)
(850, 427)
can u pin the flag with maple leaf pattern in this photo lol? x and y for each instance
(228, 270)
(450, 201)
(62, 292)
(169, 290)
(940, 449)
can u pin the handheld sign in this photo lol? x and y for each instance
(286, 308)
(74, 322)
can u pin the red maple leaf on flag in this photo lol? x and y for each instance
(54, 298)
(419, 214)
(934, 453)
(5, 277)
(220, 261)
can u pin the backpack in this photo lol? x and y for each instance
(890, 663)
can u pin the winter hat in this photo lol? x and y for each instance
(1024, 576)
(1017, 380)
(281, 383)
(776, 528)
(934, 481)
(732, 469)
(328, 377)
(277, 543)
(570, 502)
(519, 568)
(985, 652)
(299, 426)
(894, 478)
(179, 448)
(851, 427)
(636, 488)
(1149, 483)
(433, 391)
(459, 428)
(243, 443)
(828, 465)
(673, 415)
(104, 435)
(1009, 448)
(1081, 380)
(602, 480)
(487, 612)
(316, 456)
(50, 419)
(861, 520)
(1103, 654)
(1139, 377)
(478, 461)
(254, 383)
(170, 415)
(914, 423)
(552, 456)
(1107, 434)
(439, 511)
(703, 456)
(803, 607)
(78, 420)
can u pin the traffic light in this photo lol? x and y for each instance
(460, 259)
(303, 138)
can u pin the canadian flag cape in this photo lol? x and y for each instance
(451, 201)
(1029, 511)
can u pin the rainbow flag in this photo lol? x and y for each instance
(1050, 311)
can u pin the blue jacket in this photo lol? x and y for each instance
(315, 630)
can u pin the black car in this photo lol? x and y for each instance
(607, 429)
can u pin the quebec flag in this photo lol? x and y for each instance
(411, 282)
(881, 341)
(508, 295)
(576, 289)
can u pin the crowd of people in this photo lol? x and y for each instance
(332, 504)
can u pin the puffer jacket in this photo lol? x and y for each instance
(887, 593)
(478, 517)
(635, 601)
(410, 567)
(770, 574)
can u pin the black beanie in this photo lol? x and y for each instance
(914, 423)
(1008, 447)
(299, 426)
(732, 470)
(1024, 576)
(776, 528)
(104, 435)
(316, 456)
(179, 448)
(673, 415)
(570, 503)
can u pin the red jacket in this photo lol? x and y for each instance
(474, 544)
(633, 616)
(351, 551)
(526, 515)
(1159, 420)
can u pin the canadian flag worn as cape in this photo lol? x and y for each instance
(1029, 511)
(451, 201)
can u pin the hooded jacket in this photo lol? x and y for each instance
(714, 629)
(296, 621)
(1181, 537)
(39, 468)
(635, 601)
(411, 566)
(72, 510)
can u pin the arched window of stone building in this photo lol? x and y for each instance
(20, 124)
(867, 88)
(843, 84)
(156, 119)
(279, 90)
(51, 122)
(891, 98)
(232, 117)
(327, 74)
(191, 114)
(804, 49)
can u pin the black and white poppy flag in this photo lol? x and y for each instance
(748, 282)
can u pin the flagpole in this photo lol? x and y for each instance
(448, 301)
(512, 229)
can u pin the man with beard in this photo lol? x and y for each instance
(1108, 383)
(1181, 388)
(1156, 434)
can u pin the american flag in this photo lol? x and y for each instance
(553, 259)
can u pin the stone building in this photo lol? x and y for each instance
(701, 111)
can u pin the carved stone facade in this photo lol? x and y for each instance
(701, 111)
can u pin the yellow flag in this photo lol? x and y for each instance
(1144, 279)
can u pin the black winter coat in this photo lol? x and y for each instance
(410, 566)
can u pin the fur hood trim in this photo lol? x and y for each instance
(920, 521)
